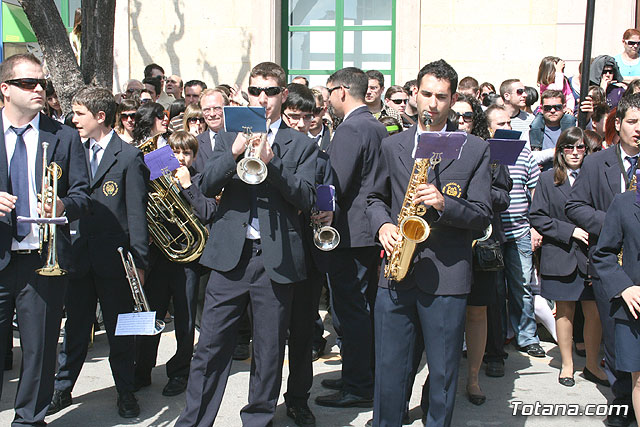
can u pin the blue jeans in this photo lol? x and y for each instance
(518, 263)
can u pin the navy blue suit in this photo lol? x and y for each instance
(433, 294)
(354, 152)
(117, 217)
(600, 179)
(204, 151)
(37, 299)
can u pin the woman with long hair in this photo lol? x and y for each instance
(563, 263)
(193, 120)
(151, 120)
(126, 119)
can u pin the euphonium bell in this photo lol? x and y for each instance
(251, 169)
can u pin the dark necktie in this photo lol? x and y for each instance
(20, 183)
(632, 169)
(94, 159)
(574, 175)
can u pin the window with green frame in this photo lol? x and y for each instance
(322, 36)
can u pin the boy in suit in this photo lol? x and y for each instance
(118, 190)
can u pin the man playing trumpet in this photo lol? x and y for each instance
(37, 299)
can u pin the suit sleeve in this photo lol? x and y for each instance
(541, 219)
(347, 157)
(203, 207)
(76, 201)
(501, 185)
(136, 199)
(605, 257)
(475, 211)
(379, 199)
(579, 208)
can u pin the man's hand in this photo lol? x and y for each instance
(236, 97)
(536, 239)
(581, 235)
(631, 297)
(183, 176)
(7, 203)
(264, 151)
(323, 217)
(430, 196)
(48, 208)
(389, 236)
(239, 146)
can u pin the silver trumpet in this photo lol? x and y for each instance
(251, 169)
(139, 298)
(325, 237)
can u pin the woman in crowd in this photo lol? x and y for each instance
(126, 119)
(396, 98)
(551, 76)
(629, 61)
(193, 120)
(563, 263)
(151, 120)
(53, 104)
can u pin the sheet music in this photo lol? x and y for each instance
(142, 323)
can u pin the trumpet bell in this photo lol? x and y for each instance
(51, 271)
(252, 170)
(326, 238)
(415, 229)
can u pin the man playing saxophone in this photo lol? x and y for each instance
(117, 217)
(432, 295)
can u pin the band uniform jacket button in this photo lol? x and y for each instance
(244, 225)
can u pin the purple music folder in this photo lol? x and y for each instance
(161, 161)
(326, 197)
(505, 151)
(241, 119)
(446, 145)
(507, 134)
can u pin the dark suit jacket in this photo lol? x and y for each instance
(204, 208)
(621, 230)
(442, 263)
(501, 185)
(66, 150)
(561, 254)
(118, 214)
(593, 191)
(354, 152)
(288, 189)
(204, 150)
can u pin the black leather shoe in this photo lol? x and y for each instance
(343, 399)
(317, 352)
(301, 415)
(241, 352)
(495, 369)
(534, 350)
(128, 405)
(139, 383)
(590, 376)
(567, 381)
(59, 401)
(332, 384)
(618, 420)
(175, 386)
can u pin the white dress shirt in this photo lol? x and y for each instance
(103, 143)
(212, 135)
(626, 164)
(31, 139)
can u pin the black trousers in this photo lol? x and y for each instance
(495, 324)
(228, 296)
(38, 301)
(115, 298)
(166, 280)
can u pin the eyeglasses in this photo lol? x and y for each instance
(163, 115)
(556, 107)
(295, 117)
(269, 91)
(399, 101)
(519, 91)
(580, 148)
(128, 116)
(212, 110)
(484, 95)
(195, 120)
(27, 83)
(632, 43)
(331, 89)
(608, 71)
(467, 116)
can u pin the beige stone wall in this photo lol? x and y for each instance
(494, 40)
(219, 41)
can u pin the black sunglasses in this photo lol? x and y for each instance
(195, 119)
(484, 95)
(269, 91)
(608, 71)
(399, 101)
(467, 116)
(568, 149)
(331, 89)
(632, 43)
(557, 107)
(28, 83)
(520, 91)
(125, 116)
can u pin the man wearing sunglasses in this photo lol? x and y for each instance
(543, 138)
(629, 59)
(37, 299)
(515, 100)
(256, 257)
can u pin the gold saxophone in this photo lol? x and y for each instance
(631, 187)
(168, 207)
(412, 227)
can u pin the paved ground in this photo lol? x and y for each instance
(528, 380)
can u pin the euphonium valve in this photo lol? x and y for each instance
(251, 169)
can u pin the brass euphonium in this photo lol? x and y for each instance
(139, 298)
(167, 211)
(48, 232)
(412, 227)
(251, 169)
(325, 237)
